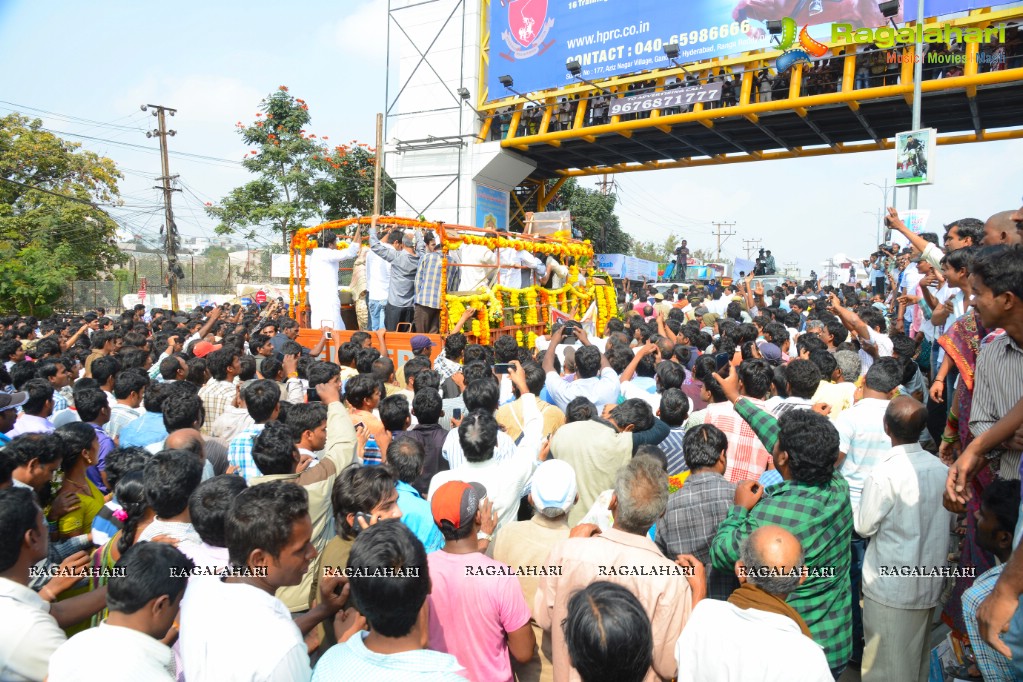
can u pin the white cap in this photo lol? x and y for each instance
(553, 487)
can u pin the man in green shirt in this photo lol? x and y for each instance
(812, 502)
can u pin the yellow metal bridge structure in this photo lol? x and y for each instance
(858, 109)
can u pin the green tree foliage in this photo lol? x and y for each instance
(48, 238)
(593, 214)
(301, 179)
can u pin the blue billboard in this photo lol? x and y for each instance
(491, 208)
(533, 40)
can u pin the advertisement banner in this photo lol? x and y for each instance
(914, 157)
(627, 267)
(533, 40)
(491, 208)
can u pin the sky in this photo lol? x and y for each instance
(84, 69)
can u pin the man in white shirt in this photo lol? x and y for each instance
(473, 272)
(30, 627)
(776, 645)
(269, 536)
(594, 377)
(901, 510)
(512, 262)
(36, 411)
(323, 262)
(870, 331)
(143, 603)
(378, 282)
(505, 480)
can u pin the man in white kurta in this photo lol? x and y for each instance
(322, 266)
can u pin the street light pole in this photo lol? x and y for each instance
(885, 205)
(918, 69)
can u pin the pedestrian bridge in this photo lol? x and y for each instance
(855, 98)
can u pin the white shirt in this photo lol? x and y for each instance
(28, 633)
(773, 647)
(452, 448)
(322, 266)
(600, 390)
(134, 656)
(470, 276)
(631, 390)
(901, 511)
(505, 480)
(378, 277)
(28, 423)
(884, 349)
(214, 647)
(509, 274)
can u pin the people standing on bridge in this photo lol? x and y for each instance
(324, 303)
(404, 259)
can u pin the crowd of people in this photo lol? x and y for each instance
(728, 484)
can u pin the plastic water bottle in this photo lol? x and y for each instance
(371, 453)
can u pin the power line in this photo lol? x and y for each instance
(720, 233)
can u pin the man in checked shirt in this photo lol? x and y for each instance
(812, 502)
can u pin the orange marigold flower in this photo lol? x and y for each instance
(253, 151)
(283, 88)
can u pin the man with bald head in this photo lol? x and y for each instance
(902, 514)
(776, 644)
(1001, 228)
(192, 441)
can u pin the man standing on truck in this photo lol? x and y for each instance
(681, 261)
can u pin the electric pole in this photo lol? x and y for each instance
(750, 249)
(170, 230)
(719, 233)
(831, 271)
(606, 186)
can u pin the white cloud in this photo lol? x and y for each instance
(362, 34)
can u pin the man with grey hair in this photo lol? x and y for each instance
(404, 260)
(849, 364)
(776, 644)
(626, 556)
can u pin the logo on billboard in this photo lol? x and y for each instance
(528, 26)
(808, 47)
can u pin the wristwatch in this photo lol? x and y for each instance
(489, 537)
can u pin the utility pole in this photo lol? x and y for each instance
(918, 71)
(831, 271)
(170, 231)
(750, 249)
(378, 169)
(606, 186)
(719, 233)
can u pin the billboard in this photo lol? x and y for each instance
(914, 157)
(491, 208)
(627, 267)
(533, 40)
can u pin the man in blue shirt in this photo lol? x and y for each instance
(405, 455)
(148, 428)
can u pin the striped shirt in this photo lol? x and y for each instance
(747, 457)
(120, 416)
(428, 284)
(864, 442)
(216, 397)
(997, 388)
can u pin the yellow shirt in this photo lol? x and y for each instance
(79, 522)
(839, 396)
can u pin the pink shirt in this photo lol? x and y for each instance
(471, 614)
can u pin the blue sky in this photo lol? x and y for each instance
(214, 61)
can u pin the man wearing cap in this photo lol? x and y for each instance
(528, 544)
(421, 346)
(204, 348)
(428, 288)
(9, 402)
(661, 306)
(404, 259)
(477, 610)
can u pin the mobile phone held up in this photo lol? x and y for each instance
(722, 360)
(502, 368)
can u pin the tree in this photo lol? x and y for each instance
(301, 179)
(52, 230)
(593, 215)
(659, 253)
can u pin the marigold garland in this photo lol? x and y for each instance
(528, 308)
